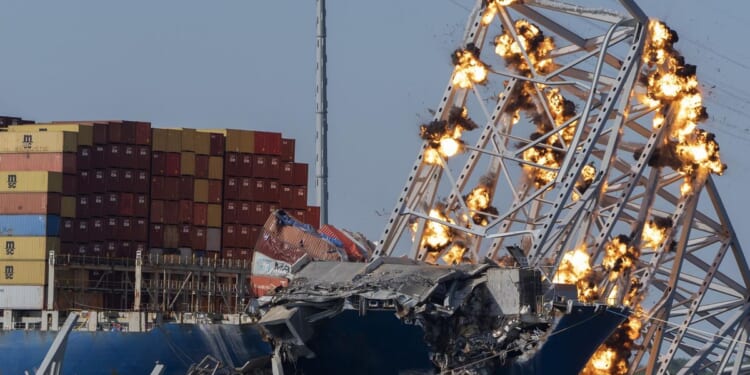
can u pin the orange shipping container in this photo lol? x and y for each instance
(39, 161)
(202, 143)
(214, 215)
(200, 190)
(159, 139)
(174, 140)
(30, 203)
(187, 163)
(215, 167)
(264, 285)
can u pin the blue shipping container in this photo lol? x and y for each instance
(29, 225)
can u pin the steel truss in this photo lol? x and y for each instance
(694, 283)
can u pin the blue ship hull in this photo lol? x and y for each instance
(177, 346)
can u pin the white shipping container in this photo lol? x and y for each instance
(21, 297)
(265, 266)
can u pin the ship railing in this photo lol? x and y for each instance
(154, 260)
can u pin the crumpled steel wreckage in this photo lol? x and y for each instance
(560, 217)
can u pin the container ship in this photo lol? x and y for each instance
(177, 245)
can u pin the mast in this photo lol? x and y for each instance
(321, 115)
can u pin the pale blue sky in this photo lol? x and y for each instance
(250, 64)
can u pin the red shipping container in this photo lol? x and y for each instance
(99, 156)
(172, 163)
(140, 206)
(97, 249)
(243, 238)
(67, 248)
(246, 165)
(127, 132)
(141, 183)
(246, 190)
(217, 144)
(271, 208)
(112, 180)
(286, 196)
(201, 166)
(142, 247)
(265, 285)
(199, 238)
(97, 205)
(274, 170)
(286, 175)
(229, 236)
(100, 133)
(298, 214)
(158, 163)
(172, 187)
(300, 174)
(186, 187)
(68, 230)
(99, 181)
(186, 235)
(244, 213)
(255, 231)
(114, 155)
(230, 212)
(261, 166)
(111, 204)
(143, 133)
(186, 211)
(97, 230)
(157, 211)
(259, 212)
(83, 158)
(143, 157)
(232, 188)
(287, 149)
(172, 212)
(129, 157)
(140, 230)
(126, 228)
(41, 161)
(200, 214)
(267, 143)
(313, 216)
(158, 190)
(83, 206)
(300, 197)
(82, 230)
(237, 254)
(127, 204)
(127, 180)
(274, 191)
(112, 229)
(156, 237)
(114, 132)
(70, 184)
(232, 164)
(259, 190)
(214, 191)
(111, 248)
(81, 249)
(84, 182)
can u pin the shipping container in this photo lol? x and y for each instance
(82, 230)
(28, 248)
(69, 184)
(143, 158)
(67, 207)
(201, 166)
(286, 174)
(111, 204)
(259, 191)
(129, 156)
(172, 212)
(127, 132)
(22, 297)
(23, 272)
(157, 211)
(237, 254)
(36, 141)
(126, 205)
(274, 191)
(40, 161)
(171, 236)
(187, 163)
(300, 174)
(172, 162)
(230, 235)
(98, 229)
(261, 166)
(235, 140)
(84, 133)
(213, 239)
(98, 181)
(313, 216)
(186, 187)
(232, 188)
(217, 144)
(202, 143)
(274, 171)
(287, 150)
(140, 230)
(30, 182)
(159, 139)
(259, 212)
(83, 158)
(127, 180)
(264, 265)
(247, 189)
(200, 214)
(200, 191)
(99, 157)
(156, 235)
(29, 225)
(68, 230)
(112, 180)
(174, 140)
(140, 207)
(267, 143)
(300, 196)
(214, 191)
(30, 203)
(83, 203)
(265, 285)
(186, 211)
(143, 133)
(199, 238)
(114, 132)
(215, 168)
(100, 132)
(214, 215)
(232, 164)
(244, 212)
(230, 212)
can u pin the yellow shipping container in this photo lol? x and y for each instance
(85, 132)
(202, 143)
(174, 140)
(159, 139)
(30, 182)
(214, 215)
(247, 137)
(68, 207)
(28, 248)
(23, 272)
(215, 167)
(187, 140)
(200, 191)
(187, 163)
(38, 141)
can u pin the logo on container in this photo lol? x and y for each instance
(9, 272)
(12, 180)
(10, 247)
(27, 140)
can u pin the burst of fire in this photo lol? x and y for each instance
(575, 268)
(445, 135)
(493, 7)
(469, 69)
(437, 236)
(533, 42)
(619, 257)
(455, 255)
(653, 234)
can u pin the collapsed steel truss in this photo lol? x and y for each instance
(694, 283)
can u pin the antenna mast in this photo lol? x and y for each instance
(321, 115)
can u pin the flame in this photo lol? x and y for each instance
(619, 257)
(478, 201)
(533, 42)
(652, 235)
(612, 298)
(603, 360)
(455, 254)
(686, 188)
(492, 8)
(445, 135)
(437, 236)
(575, 268)
(469, 69)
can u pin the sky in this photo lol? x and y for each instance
(251, 65)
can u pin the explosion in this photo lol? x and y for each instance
(619, 257)
(455, 255)
(479, 201)
(445, 136)
(654, 232)
(437, 236)
(469, 69)
(533, 42)
(674, 83)
(575, 268)
(493, 6)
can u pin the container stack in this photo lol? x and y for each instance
(35, 163)
(239, 219)
(167, 192)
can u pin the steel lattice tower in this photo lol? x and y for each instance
(576, 146)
